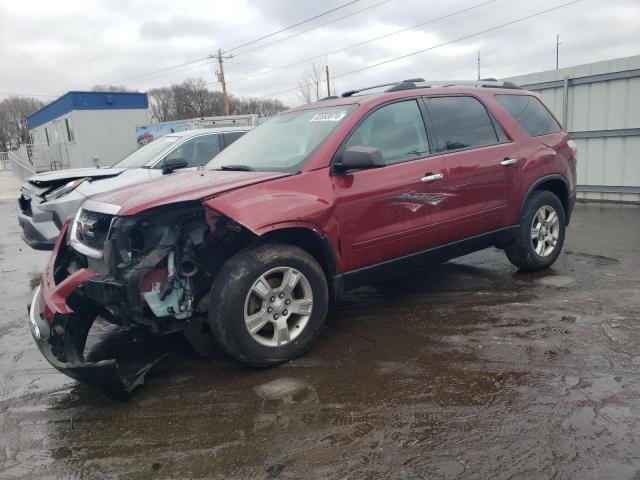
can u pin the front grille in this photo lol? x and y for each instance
(25, 205)
(92, 228)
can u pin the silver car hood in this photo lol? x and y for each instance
(128, 177)
(59, 176)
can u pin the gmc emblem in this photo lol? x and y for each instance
(85, 227)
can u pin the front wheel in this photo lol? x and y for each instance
(541, 234)
(268, 304)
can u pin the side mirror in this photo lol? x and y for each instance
(171, 164)
(359, 157)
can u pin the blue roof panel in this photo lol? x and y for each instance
(87, 101)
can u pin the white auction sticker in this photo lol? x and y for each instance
(328, 117)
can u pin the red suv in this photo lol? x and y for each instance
(318, 200)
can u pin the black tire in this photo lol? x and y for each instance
(229, 292)
(521, 251)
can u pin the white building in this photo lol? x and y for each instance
(85, 129)
(599, 105)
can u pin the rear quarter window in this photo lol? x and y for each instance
(530, 113)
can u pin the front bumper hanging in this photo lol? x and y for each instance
(62, 344)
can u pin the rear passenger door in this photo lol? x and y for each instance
(477, 165)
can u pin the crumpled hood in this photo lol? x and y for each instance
(181, 187)
(130, 176)
(63, 176)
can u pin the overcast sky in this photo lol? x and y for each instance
(50, 47)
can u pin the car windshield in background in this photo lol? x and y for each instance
(284, 143)
(144, 155)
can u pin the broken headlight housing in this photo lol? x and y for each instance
(64, 189)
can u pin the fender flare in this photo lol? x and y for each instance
(326, 246)
(546, 178)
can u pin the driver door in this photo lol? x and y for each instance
(382, 212)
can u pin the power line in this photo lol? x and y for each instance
(315, 27)
(293, 26)
(16, 94)
(129, 79)
(384, 62)
(248, 64)
(171, 68)
(299, 62)
(204, 63)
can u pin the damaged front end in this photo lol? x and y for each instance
(144, 271)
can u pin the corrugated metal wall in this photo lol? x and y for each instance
(599, 104)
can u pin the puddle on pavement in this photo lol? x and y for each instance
(469, 369)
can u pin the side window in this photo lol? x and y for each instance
(231, 137)
(197, 151)
(461, 122)
(397, 130)
(502, 136)
(530, 113)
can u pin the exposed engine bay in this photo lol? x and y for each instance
(152, 270)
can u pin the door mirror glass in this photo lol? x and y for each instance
(360, 157)
(171, 164)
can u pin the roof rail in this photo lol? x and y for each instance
(422, 83)
(485, 82)
(349, 93)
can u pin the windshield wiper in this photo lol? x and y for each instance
(238, 168)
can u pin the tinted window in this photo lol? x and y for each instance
(397, 130)
(144, 155)
(530, 113)
(231, 137)
(502, 136)
(461, 122)
(197, 151)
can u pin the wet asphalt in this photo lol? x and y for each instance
(466, 370)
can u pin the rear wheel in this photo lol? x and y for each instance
(268, 304)
(541, 235)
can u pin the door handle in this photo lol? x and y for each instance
(508, 161)
(432, 177)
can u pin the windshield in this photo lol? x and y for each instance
(144, 155)
(282, 143)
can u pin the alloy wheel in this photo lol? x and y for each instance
(545, 230)
(278, 306)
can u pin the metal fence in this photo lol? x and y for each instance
(44, 157)
(33, 158)
(599, 104)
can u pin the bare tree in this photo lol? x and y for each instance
(111, 88)
(192, 99)
(13, 120)
(313, 84)
(161, 104)
(263, 107)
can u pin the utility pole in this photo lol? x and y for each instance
(558, 43)
(478, 64)
(220, 75)
(326, 67)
